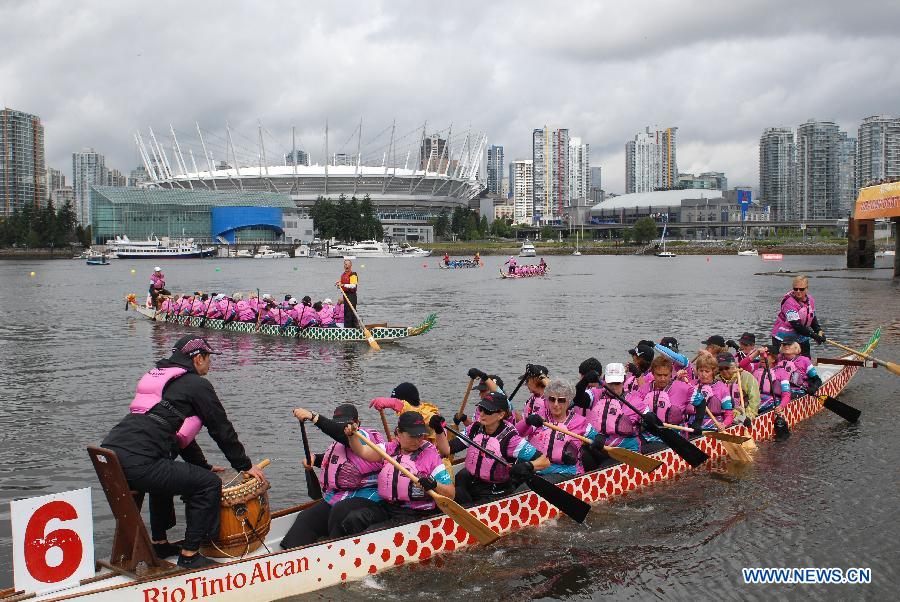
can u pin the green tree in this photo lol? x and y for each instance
(548, 233)
(441, 224)
(644, 230)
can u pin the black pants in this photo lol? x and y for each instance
(347, 517)
(470, 490)
(804, 346)
(163, 479)
(349, 316)
(156, 292)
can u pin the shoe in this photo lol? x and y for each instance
(197, 561)
(165, 550)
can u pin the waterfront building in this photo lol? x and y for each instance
(88, 169)
(709, 180)
(878, 150)
(777, 172)
(505, 211)
(523, 193)
(114, 177)
(818, 169)
(137, 176)
(512, 180)
(847, 185)
(651, 161)
(550, 162)
(22, 167)
(301, 157)
(495, 170)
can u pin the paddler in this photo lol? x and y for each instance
(446, 258)
(803, 374)
(563, 451)
(348, 283)
(732, 375)
(711, 394)
(477, 258)
(797, 316)
(405, 501)
(774, 382)
(610, 417)
(746, 348)
(536, 379)
(667, 398)
(512, 264)
(639, 376)
(173, 402)
(489, 383)
(484, 478)
(157, 286)
(349, 483)
(405, 398)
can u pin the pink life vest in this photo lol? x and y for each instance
(339, 313)
(199, 307)
(149, 393)
(396, 487)
(484, 467)
(245, 313)
(796, 369)
(608, 416)
(657, 401)
(536, 405)
(715, 393)
(773, 380)
(554, 444)
(805, 312)
(307, 316)
(343, 470)
(158, 281)
(326, 316)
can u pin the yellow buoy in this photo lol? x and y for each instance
(362, 265)
(32, 274)
(134, 271)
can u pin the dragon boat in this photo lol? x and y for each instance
(381, 332)
(263, 575)
(458, 264)
(504, 274)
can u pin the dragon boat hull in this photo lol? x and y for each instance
(271, 576)
(382, 333)
(513, 276)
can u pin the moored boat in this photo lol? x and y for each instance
(271, 575)
(157, 248)
(405, 249)
(101, 260)
(749, 253)
(527, 250)
(381, 332)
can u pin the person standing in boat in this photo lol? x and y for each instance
(797, 316)
(446, 258)
(157, 286)
(350, 500)
(348, 283)
(173, 402)
(512, 264)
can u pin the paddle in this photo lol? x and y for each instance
(477, 529)
(625, 456)
(465, 400)
(711, 434)
(313, 487)
(205, 312)
(847, 412)
(891, 366)
(734, 451)
(689, 452)
(372, 342)
(384, 423)
(577, 509)
(258, 312)
(749, 444)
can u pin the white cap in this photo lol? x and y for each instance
(157, 269)
(266, 296)
(219, 297)
(328, 301)
(615, 373)
(292, 301)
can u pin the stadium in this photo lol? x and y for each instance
(410, 176)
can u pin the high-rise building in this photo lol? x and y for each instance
(596, 177)
(878, 150)
(55, 179)
(579, 172)
(88, 169)
(512, 179)
(708, 180)
(847, 187)
(22, 169)
(301, 156)
(523, 191)
(778, 172)
(495, 170)
(651, 161)
(137, 176)
(818, 170)
(434, 155)
(61, 196)
(550, 157)
(114, 177)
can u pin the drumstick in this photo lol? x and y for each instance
(263, 464)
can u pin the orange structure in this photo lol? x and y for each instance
(874, 202)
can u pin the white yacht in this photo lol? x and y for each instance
(749, 253)
(404, 249)
(527, 250)
(365, 248)
(157, 248)
(267, 253)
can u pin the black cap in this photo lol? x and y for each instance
(406, 392)
(412, 423)
(482, 386)
(589, 364)
(748, 338)
(670, 342)
(725, 359)
(645, 343)
(495, 402)
(346, 413)
(191, 345)
(642, 351)
(715, 340)
(789, 338)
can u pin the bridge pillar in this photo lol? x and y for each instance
(896, 222)
(861, 243)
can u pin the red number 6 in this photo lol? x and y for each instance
(38, 543)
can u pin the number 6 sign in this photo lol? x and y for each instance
(53, 541)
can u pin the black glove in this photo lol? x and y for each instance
(534, 420)
(568, 458)
(818, 338)
(651, 422)
(732, 344)
(427, 483)
(476, 373)
(521, 470)
(459, 419)
(747, 422)
(437, 424)
(596, 448)
(813, 384)
(591, 377)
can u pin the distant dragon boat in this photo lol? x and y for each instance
(381, 332)
(504, 274)
(272, 575)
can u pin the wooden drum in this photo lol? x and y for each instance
(246, 519)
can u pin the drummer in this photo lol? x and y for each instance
(172, 403)
(348, 482)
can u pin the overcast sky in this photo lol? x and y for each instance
(95, 72)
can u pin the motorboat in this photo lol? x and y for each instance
(749, 253)
(98, 260)
(303, 251)
(404, 249)
(365, 248)
(244, 254)
(157, 248)
(527, 250)
(267, 253)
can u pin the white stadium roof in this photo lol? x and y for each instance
(659, 198)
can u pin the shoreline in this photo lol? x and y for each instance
(469, 249)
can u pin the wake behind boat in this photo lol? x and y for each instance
(270, 575)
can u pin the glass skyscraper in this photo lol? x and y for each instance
(22, 168)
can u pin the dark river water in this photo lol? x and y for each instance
(827, 497)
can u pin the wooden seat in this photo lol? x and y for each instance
(132, 551)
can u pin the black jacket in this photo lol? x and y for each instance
(189, 395)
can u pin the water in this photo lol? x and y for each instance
(70, 357)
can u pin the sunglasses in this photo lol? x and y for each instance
(421, 436)
(799, 289)
(488, 412)
(552, 399)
